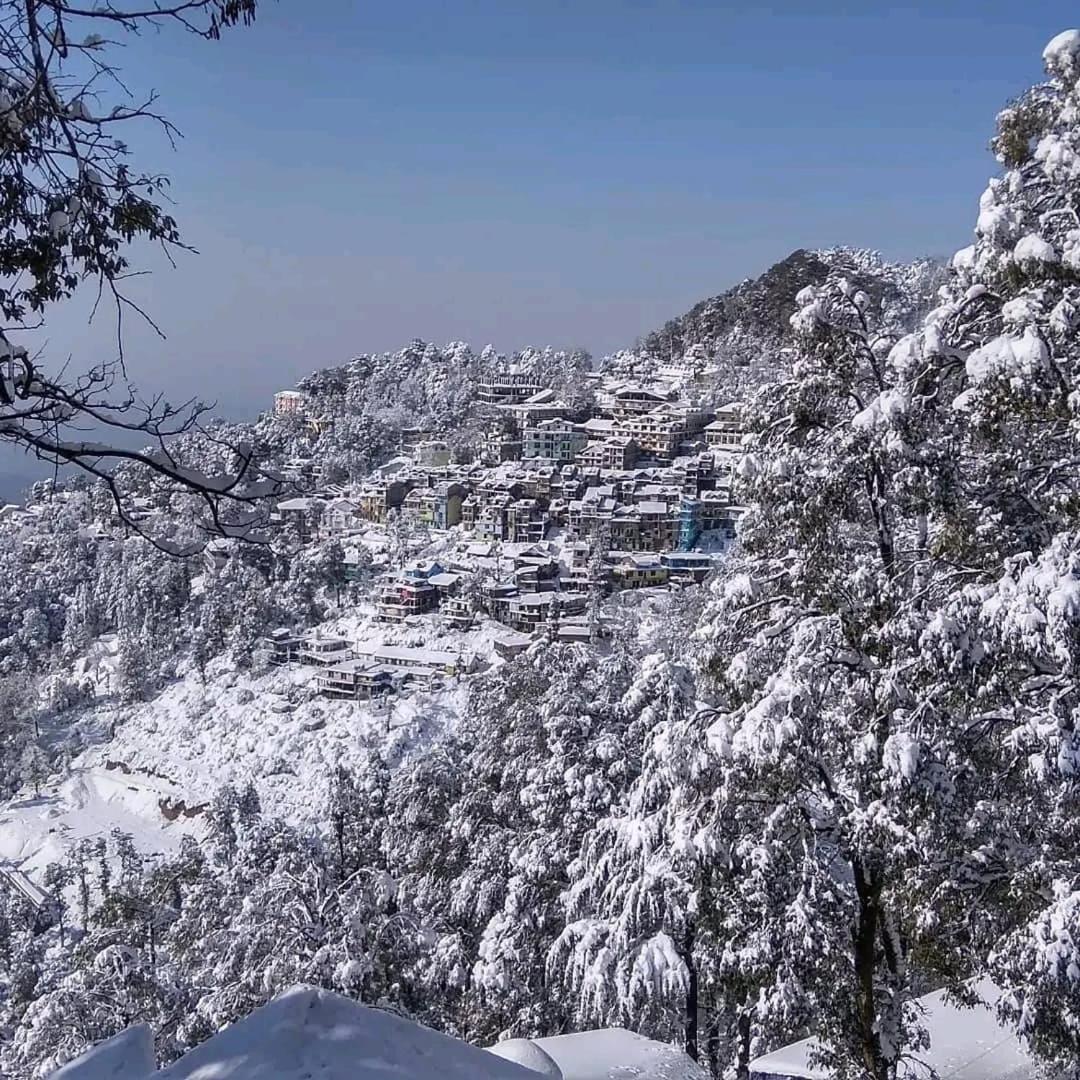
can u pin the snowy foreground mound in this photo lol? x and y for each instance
(309, 1034)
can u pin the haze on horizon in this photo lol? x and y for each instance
(546, 173)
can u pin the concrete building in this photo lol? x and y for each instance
(378, 497)
(508, 388)
(553, 440)
(634, 400)
(358, 680)
(322, 651)
(639, 571)
(725, 433)
(290, 402)
(283, 645)
(397, 600)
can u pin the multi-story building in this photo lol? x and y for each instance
(527, 611)
(647, 526)
(508, 388)
(687, 565)
(378, 497)
(325, 651)
(540, 406)
(725, 434)
(396, 600)
(634, 400)
(290, 402)
(663, 431)
(525, 523)
(639, 571)
(302, 514)
(458, 611)
(438, 506)
(617, 453)
(340, 517)
(358, 680)
(593, 511)
(283, 645)
(553, 440)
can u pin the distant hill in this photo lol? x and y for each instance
(747, 326)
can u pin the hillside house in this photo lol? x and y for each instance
(526, 522)
(378, 497)
(687, 566)
(434, 661)
(397, 600)
(438, 506)
(458, 612)
(322, 651)
(340, 517)
(646, 526)
(663, 431)
(552, 440)
(419, 506)
(633, 400)
(290, 402)
(540, 406)
(725, 434)
(507, 388)
(619, 453)
(639, 572)
(358, 680)
(509, 644)
(283, 645)
(302, 514)
(528, 611)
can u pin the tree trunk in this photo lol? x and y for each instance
(742, 1046)
(865, 942)
(691, 1017)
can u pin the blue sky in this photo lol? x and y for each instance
(535, 171)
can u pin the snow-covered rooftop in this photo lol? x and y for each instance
(309, 1033)
(419, 657)
(127, 1056)
(607, 1054)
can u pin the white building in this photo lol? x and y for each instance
(555, 440)
(287, 402)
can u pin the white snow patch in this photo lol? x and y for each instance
(1034, 249)
(1062, 52)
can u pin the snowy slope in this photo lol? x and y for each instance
(315, 1035)
(170, 756)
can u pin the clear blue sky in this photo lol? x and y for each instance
(534, 171)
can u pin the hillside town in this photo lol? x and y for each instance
(561, 508)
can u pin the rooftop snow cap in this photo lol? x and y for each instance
(605, 1054)
(306, 1034)
(526, 1052)
(127, 1056)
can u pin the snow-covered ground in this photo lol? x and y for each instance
(169, 756)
